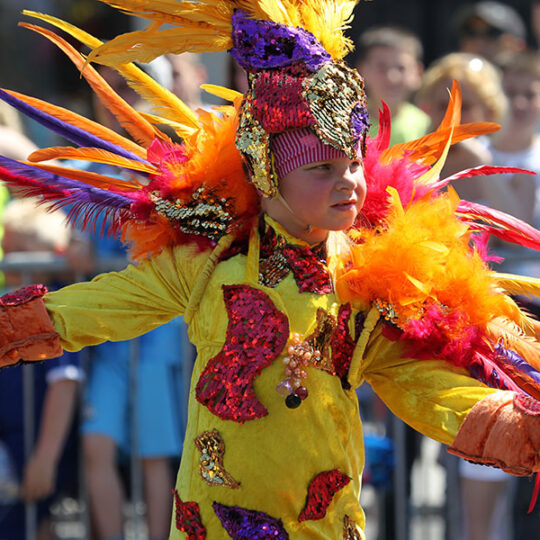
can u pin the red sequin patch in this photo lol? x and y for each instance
(280, 104)
(188, 518)
(527, 405)
(342, 345)
(23, 295)
(309, 268)
(321, 490)
(256, 335)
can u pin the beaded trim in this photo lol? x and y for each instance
(527, 405)
(308, 264)
(350, 530)
(205, 214)
(212, 449)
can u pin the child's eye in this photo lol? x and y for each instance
(355, 165)
(320, 167)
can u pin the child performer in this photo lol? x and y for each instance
(304, 260)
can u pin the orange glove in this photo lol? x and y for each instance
(26, 331)
(502, 430)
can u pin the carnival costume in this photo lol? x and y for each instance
(285, 331)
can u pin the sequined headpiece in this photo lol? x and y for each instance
(292, 52)
(299, 147)
(293, 83)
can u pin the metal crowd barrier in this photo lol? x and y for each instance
(26, 264)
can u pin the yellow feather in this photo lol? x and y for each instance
(514, 284)
(222, 92)
(165, 102)
(180, 129)
(144, 46)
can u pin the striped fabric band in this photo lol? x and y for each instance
(294, 149)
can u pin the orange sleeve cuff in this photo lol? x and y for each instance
(26, 331)
(502, 430)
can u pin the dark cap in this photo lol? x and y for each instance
(498, 18)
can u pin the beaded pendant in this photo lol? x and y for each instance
(300, 355)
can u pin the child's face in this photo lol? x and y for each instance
(326, 195)
(523, 93)
(390, 74)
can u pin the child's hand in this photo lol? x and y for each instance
(38, 478)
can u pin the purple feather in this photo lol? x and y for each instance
(518, 362)
(73, 134)
(86, 204)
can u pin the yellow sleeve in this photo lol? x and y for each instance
(432, 396)
(122, 305)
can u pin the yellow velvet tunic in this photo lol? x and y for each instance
(266, 464)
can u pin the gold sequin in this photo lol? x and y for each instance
(350, 530)
(212, 449)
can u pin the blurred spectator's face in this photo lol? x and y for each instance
(481, 39)
(390, 74)
(188, 75)
(523, 93)
(473, 108)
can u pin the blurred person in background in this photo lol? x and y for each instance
(483, 101)
(493, 30)
(51, 470)
(390, 60)
(517, 144)
(188, 73)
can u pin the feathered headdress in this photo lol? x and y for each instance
(413, 254)
(292, 52)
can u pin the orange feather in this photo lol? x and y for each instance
(139, 128)
(93, 179)
(81, 122)
(90, 154)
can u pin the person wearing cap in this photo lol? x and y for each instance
(305, 258)
(490, 29)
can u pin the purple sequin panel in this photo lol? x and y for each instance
(359, 121)
(267, 45)
(256, 335)
(243, 524)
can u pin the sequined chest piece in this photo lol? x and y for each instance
(307, 264)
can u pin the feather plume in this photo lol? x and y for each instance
(71, 126)
(139, 129)
(91, 154)
(483, 170)
(86, 177)
(512, 337)
(205, 26)
(430, 147)
(499, 224)
(165, 102)
(180, 129)
(86, 203)
(521, 285)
